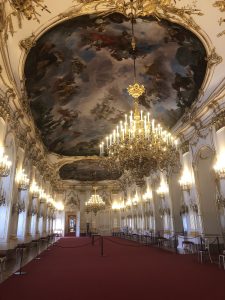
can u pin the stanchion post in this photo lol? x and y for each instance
(175, 243)
(37, 249)
(48, 243)
(218, 244)
(102, 246)
(21, 261)
(201, 242)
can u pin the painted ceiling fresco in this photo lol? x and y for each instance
(78, 72)
(86, 170)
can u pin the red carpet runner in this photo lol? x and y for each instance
(124, 273)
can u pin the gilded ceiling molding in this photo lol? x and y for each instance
(159, 9)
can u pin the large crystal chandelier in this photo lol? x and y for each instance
(95, 203)
(138, 144)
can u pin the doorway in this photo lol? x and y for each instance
(72, 224)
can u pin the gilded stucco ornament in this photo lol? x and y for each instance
(184, 147)
(4, 109)
(9, 92)
(28, 9)
(213, 59)
(188, 115)
(219, 120)
(14, 121)
(28, 43)
(214, 105)
(221, 6)
(160, 9)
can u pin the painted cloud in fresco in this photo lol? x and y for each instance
(78, 72)
(86, 169)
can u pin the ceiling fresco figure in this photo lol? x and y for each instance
(87, 170)
(78, 72)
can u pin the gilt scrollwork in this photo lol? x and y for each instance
(4, 109)
(213, 59)
(28, 9)
(221, 6)
(185, 147)
(161, 9)
(219, 120)
(27, 43)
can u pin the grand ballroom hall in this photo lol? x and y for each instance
(112, 149)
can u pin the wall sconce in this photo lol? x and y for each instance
(135, 200)
(42, 196)
(18, 207)
(33, 211)
(219, 168)
(117, 205)
(162, 189)
(59, 206)
(186, 181)
(148, 195)
(5, 164)
(23, 181)
(35, 191)
(128, 203)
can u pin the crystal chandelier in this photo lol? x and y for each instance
(138, 144)
(5, 164)
(95, 203)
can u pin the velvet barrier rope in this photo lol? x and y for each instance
(124, 244)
